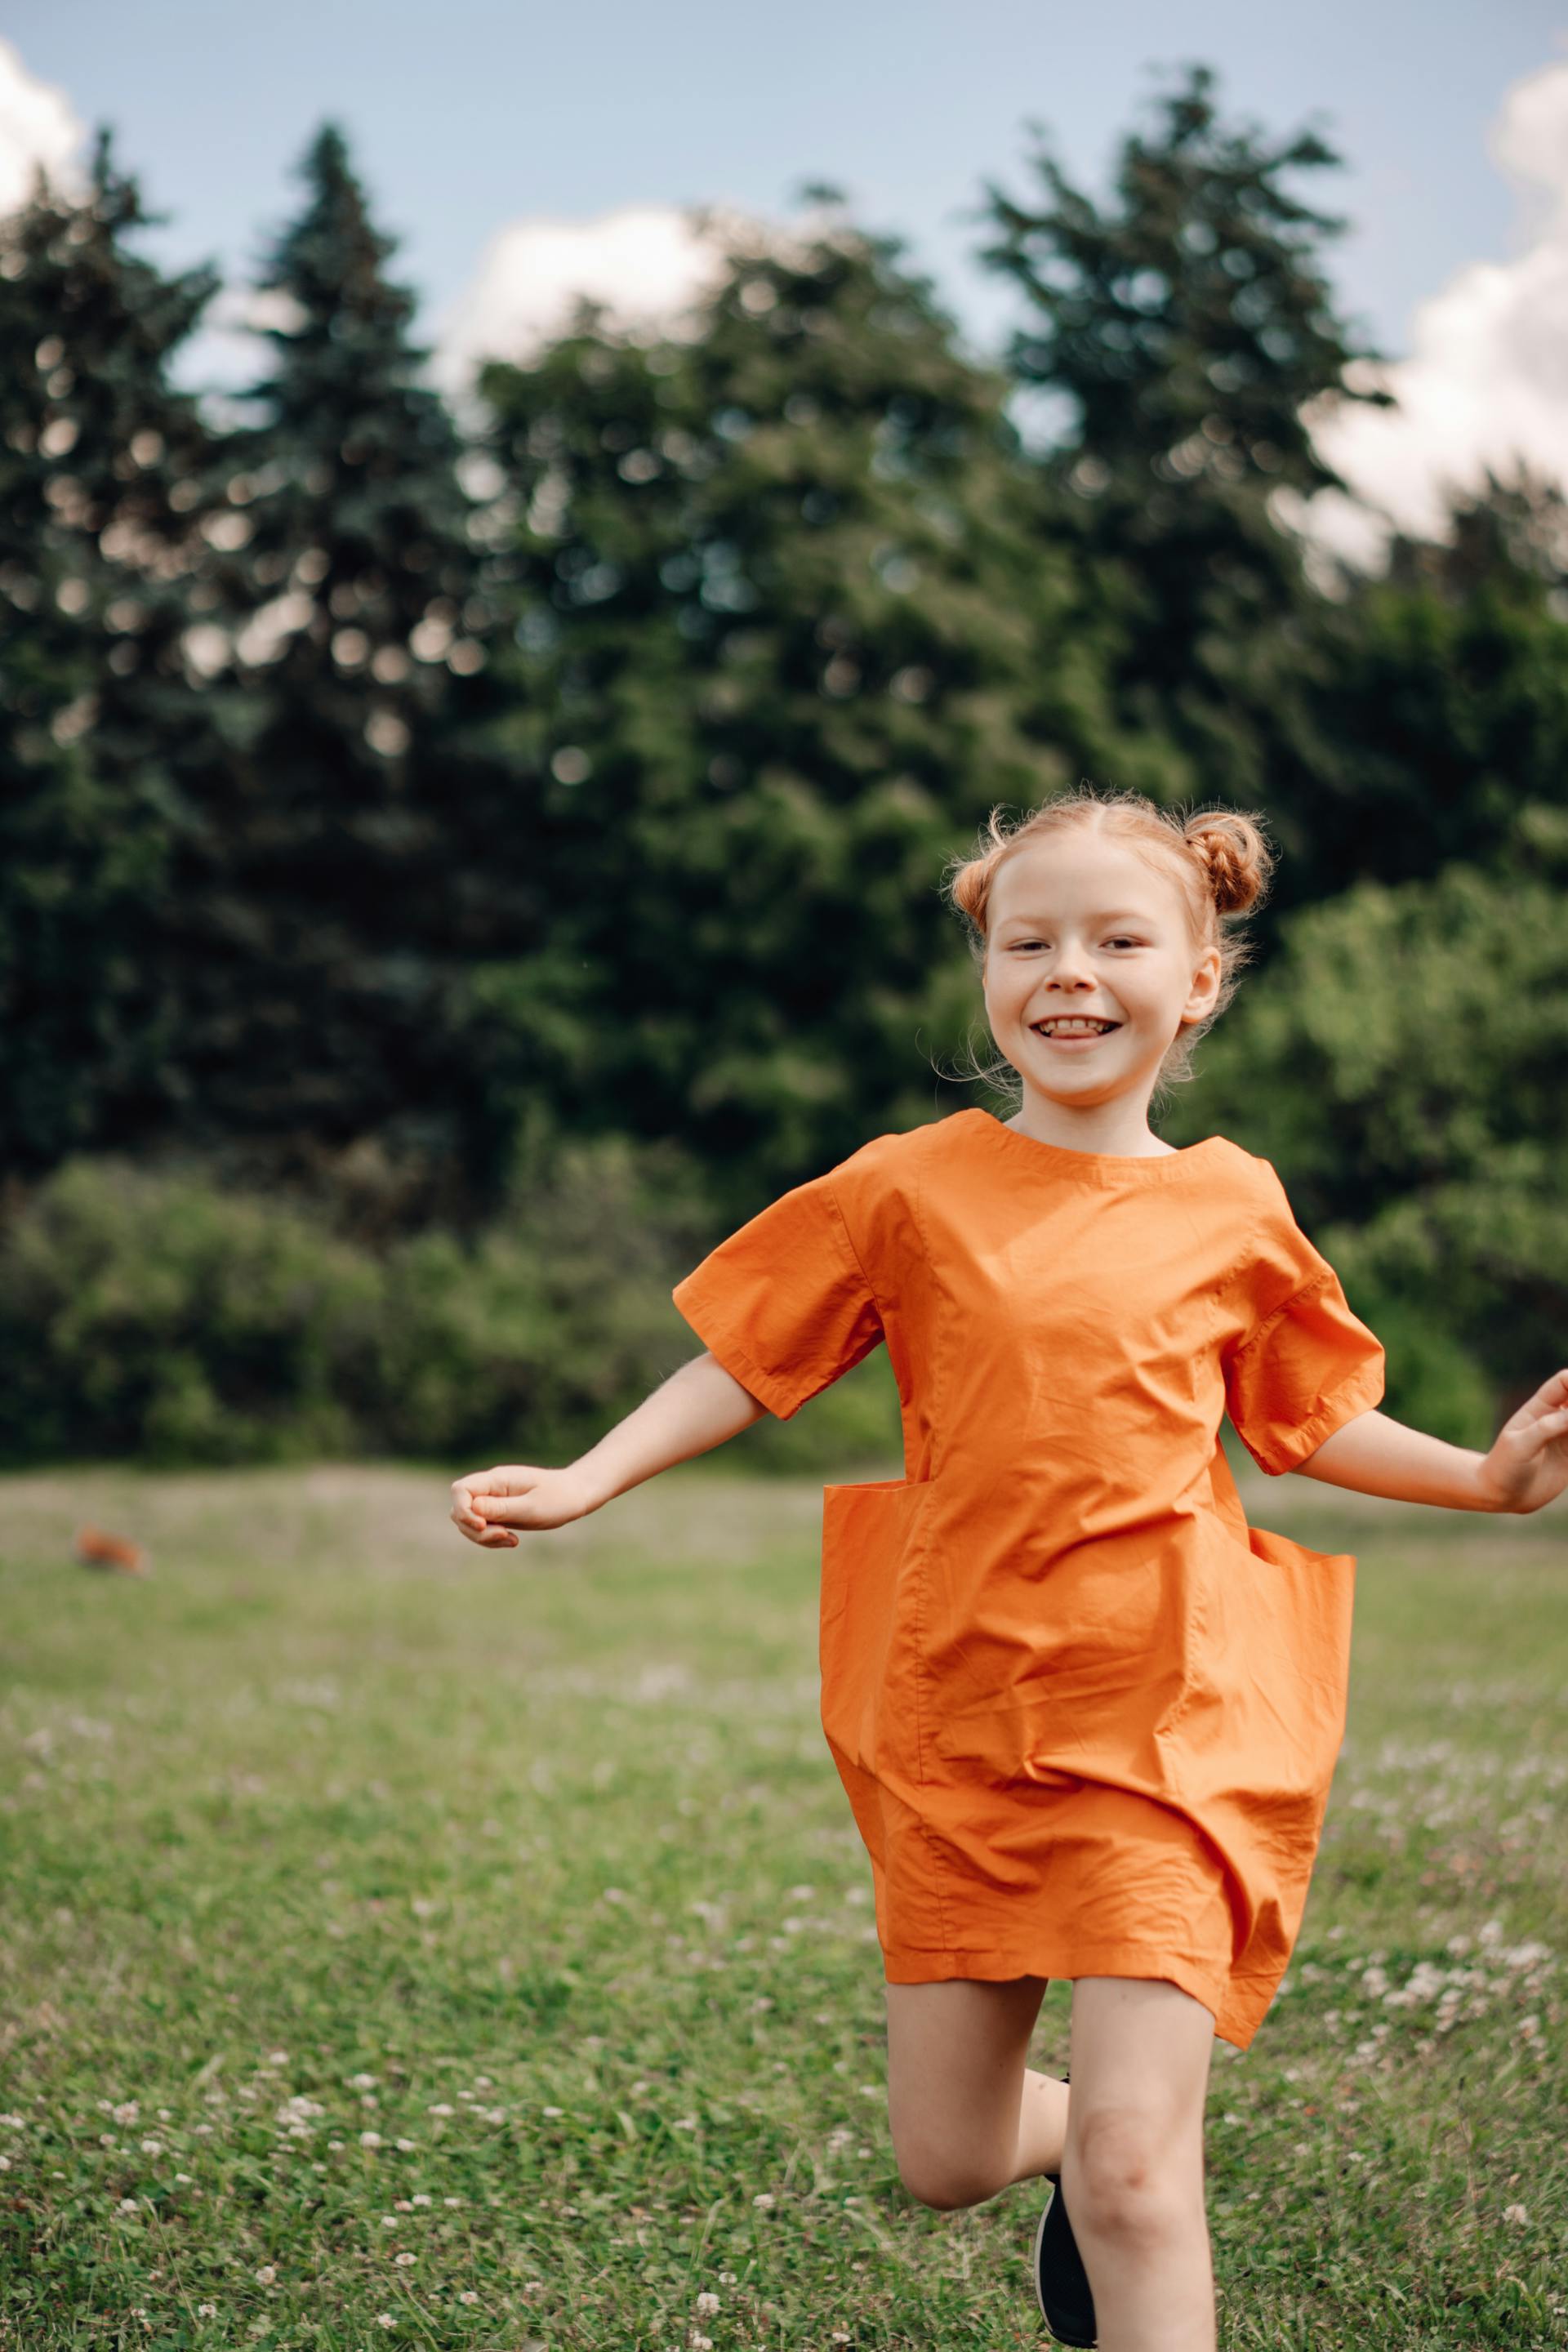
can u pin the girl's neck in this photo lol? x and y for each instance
(1119, 1129)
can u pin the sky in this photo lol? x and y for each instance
(519, 152)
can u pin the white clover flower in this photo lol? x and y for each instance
(182, 2179)
(127, 2112)
(405, 2261)
(699, 2342)
(152, 2147)
(389, 2221)
(451, 2200)
(468, 2295)
(707, 2302)
(420, 2199)
(765, 2199)
(370, 2139)
(266, 2274)
(1515, 2213)
(127, 2205)
(278, 2057)
(384, 2319)
(441, 2108)
(361, 2082)
(408, 2145)
(554, 2110)
(206, 2310)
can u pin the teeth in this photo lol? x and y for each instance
(1075, 1028)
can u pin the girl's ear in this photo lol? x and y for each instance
(1206, 977)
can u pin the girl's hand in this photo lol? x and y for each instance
(1527, 1465)
(488, 1503)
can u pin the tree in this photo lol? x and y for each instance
(1444, 694)
(1401, 1066)
(106, 488)
(775, 613)
(1185, 327)
(322, 938)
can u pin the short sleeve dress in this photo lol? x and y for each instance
(1086, 1717)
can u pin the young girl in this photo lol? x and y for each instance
(1085, 1715)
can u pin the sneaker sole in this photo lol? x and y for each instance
(1081, 2342)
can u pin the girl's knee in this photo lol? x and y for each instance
(946, 2187)
(1129, 2178)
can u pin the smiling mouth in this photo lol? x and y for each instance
(1077, 1026)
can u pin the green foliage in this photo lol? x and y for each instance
(1440, 697)
(147, 1312)
(776, 620)
(1401, 1066)
(378, 815)
(318, 918)
(106, 491)
(1184, 330)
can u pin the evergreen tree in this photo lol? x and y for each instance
(1443, 695)
(776, 613)
(323, 940)
(107, 486)
(1186, 326)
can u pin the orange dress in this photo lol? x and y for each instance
(1085, 1715)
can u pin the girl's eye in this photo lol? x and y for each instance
(1121, 942)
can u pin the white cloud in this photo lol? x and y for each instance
(648, 264)
(1487, 378)
(38, 125)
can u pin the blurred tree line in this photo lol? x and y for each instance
(451, 871)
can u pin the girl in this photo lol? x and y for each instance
(1085, 1715)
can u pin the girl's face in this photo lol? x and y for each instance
(1083, 932)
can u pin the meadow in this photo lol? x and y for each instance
(410, 1945)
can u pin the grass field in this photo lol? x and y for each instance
(409, 1945)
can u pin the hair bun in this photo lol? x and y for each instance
(1235, 855)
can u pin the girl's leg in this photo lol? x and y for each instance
(1132, 2172)
(967, 2116)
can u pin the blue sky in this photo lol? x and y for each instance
(470, 115)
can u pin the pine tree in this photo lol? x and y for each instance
(776, 613)
(107, 486)
(1187, 325)
(325, 958)
(1445, 697)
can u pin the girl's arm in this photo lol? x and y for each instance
(1527, 1465)
(699, 1406)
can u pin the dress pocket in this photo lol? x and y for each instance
(873, 1548)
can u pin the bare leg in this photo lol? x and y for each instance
(967, 2116)
(1132, 2172)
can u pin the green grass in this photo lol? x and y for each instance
(535, 1865)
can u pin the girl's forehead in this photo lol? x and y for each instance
(1069, 872)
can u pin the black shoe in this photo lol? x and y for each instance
(1061, 2283)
